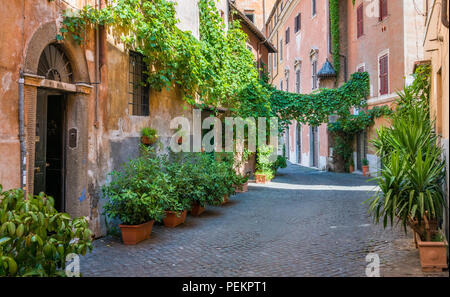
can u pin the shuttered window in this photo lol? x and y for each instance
(383, 9)
(384, 74)
(314, 75)
(360, 20)
(297, 81)
(298, 23)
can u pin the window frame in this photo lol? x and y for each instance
(138, 101)
(314, 78)
(385, 89)
(298, 22)
(313, 8)
(383, 9)
(360, 20)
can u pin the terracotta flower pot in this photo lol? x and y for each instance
(148, 140)
(174, 218)
(197, 210)
(244, 188)
(180, 140)
(351, 169)
(225, 199)
(365, 170)
(261, 179)
(433, 255)
(133, 234)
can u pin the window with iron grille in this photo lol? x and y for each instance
(384, 74)
(287, 35)
(297, 81)
(360, 20)
(383, 9)
(138, 102)
(314, 75)
(298, 23)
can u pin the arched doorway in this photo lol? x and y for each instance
(50, 157)
(57, 93)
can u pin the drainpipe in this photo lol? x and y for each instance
(22, 130)
(345, 66)
(444, 16)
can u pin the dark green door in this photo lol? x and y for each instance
(49, 156)
(41, 142)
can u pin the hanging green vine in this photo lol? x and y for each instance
(335, 35)
(212, 70)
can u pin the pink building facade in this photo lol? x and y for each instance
(300, 31)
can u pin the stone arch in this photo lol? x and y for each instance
(45, 35)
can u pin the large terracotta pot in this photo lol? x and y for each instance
(261, 179)
(197, 210)
(133, 234)
(225, 199)
(174, 218)
(244, 188)
(433, 254)
(365, 170)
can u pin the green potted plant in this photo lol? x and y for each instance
(365, 167)
(264, 167)
(35, 238)
(412, 178)
(134, 198)
(179, 189)
(148, 135)
(136, 211)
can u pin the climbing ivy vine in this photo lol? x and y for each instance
(218, 69)
(335, 35)
(211, 71)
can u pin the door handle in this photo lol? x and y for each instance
(37, 169)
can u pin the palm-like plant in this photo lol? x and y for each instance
(411, 181)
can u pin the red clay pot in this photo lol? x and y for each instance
(244, 188)
(147, 140)
(351, 169)
(261, 179)
(365, 170)
(174, 218)
(433, 255)
(133, 234)
(197, 210)
(225, 199)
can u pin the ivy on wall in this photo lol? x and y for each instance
(211, 71)
(335, 35)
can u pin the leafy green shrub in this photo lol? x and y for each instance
(365, 162)
(35, 238)
(264, 165)
(281, 162)
(137, 192)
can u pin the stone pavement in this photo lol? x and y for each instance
(304, 223)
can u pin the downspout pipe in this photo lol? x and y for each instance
(22, 130)
(444, 15)
(345, 66)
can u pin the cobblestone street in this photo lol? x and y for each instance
(304, 223)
